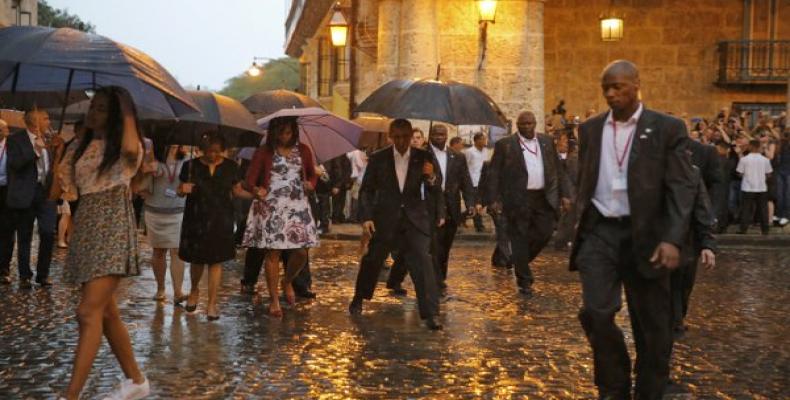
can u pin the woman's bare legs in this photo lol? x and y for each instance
(177, 275)
(63, 229)
(195, 273)
(272, 265)
(297, 258)
(159, 265)
(96, 295)
(118, 338)
(214, 281)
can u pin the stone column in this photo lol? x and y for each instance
(389, 29)
(534, 63)
(418, 42)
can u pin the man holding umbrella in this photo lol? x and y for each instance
(528, 185)
(397, 197)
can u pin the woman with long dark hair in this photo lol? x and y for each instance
(209, 184)
(164, 211)
(99, 169)
(281, 173)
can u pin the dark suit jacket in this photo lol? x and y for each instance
(22, 172)
(380, 198)
(702, 221)
(507, 175)
(457, 182)
(706, 158)
(661, 184)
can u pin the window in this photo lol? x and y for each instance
(325, 73)
(341, 64)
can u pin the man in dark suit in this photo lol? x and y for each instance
(29, 181)
(636, 190)
(6, 227)
(528, 185)
(339, 169)
(454, 175)
(396, 198)
(706, 158)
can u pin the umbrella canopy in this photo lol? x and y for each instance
(55, 66)
(218, 112)
(268, 102)
(452, 102)
(327, 134)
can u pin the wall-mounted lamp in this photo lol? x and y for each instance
(338, 27)
(487, 14)
(611, 29)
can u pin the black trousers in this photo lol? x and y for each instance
(445, 236)
(503, 253)
(478, 218)
(607, 264)
(414, 247)
(323, 209)
(529, 233)
(43, 211)
(241, 209)
(338, 207)
(682, 283)
(253, 261)
(7, 233)
(751, 201)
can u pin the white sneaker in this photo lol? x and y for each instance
(783, 221)
(128, 390)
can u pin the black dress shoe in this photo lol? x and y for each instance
(306, 294)
(355, 308)
(212, 317)
(432, 324)
(398, 291)
(191, 308)
(247, 289)
(24, 283)
(525, 291)
(46, 282)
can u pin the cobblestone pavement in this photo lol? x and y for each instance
(495, 345)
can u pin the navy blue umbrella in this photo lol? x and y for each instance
(54, 67)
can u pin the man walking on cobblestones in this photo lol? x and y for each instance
(636, 190)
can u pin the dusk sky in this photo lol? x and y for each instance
(201, 42)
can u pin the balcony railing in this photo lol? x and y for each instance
(754, 62)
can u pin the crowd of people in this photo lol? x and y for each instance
(635, 194)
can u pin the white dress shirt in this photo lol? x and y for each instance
(441, 157)
(474, 161)
(533, 161)
(42, 159)
(611, 191)
(401, 166)
(754, 167)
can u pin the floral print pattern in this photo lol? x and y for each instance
(283, 219)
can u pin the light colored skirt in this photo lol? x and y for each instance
(164, 230)
(104, 241)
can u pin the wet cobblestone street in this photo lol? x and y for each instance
(495, 344)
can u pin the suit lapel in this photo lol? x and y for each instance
(543, 141)
(390, 166)
(644, 128)
(414, 172)
(522, 165)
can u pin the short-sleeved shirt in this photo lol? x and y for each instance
(83, 177)
(754, 167)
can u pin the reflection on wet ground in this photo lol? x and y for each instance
(495, 344)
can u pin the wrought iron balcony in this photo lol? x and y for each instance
(749, 62)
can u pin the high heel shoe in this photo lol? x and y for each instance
(177, 300)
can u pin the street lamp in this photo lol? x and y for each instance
(338, 27)
(487, 9)
(254, 70)
(611, 29)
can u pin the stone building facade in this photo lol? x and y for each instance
(18, 12)
(540, 51)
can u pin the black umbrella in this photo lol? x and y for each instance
(218, 112)
(48, 66)
(452, 102)
(268, 102)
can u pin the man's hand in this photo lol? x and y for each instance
(335, 191)
(186, 188)
(666, 255)
(368, 228)
(440, 223)
(308, 187)
(565, 204)
(495, 207)
(708, 259)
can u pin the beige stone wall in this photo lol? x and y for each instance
(672, 41)
(8, 15)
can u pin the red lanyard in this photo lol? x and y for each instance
(620, 157)
(525, 147)
(171, 177)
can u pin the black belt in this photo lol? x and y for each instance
(622, 220)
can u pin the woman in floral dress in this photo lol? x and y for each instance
(281, 173)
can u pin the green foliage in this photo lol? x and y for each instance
(57, 18)
(282, 73)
